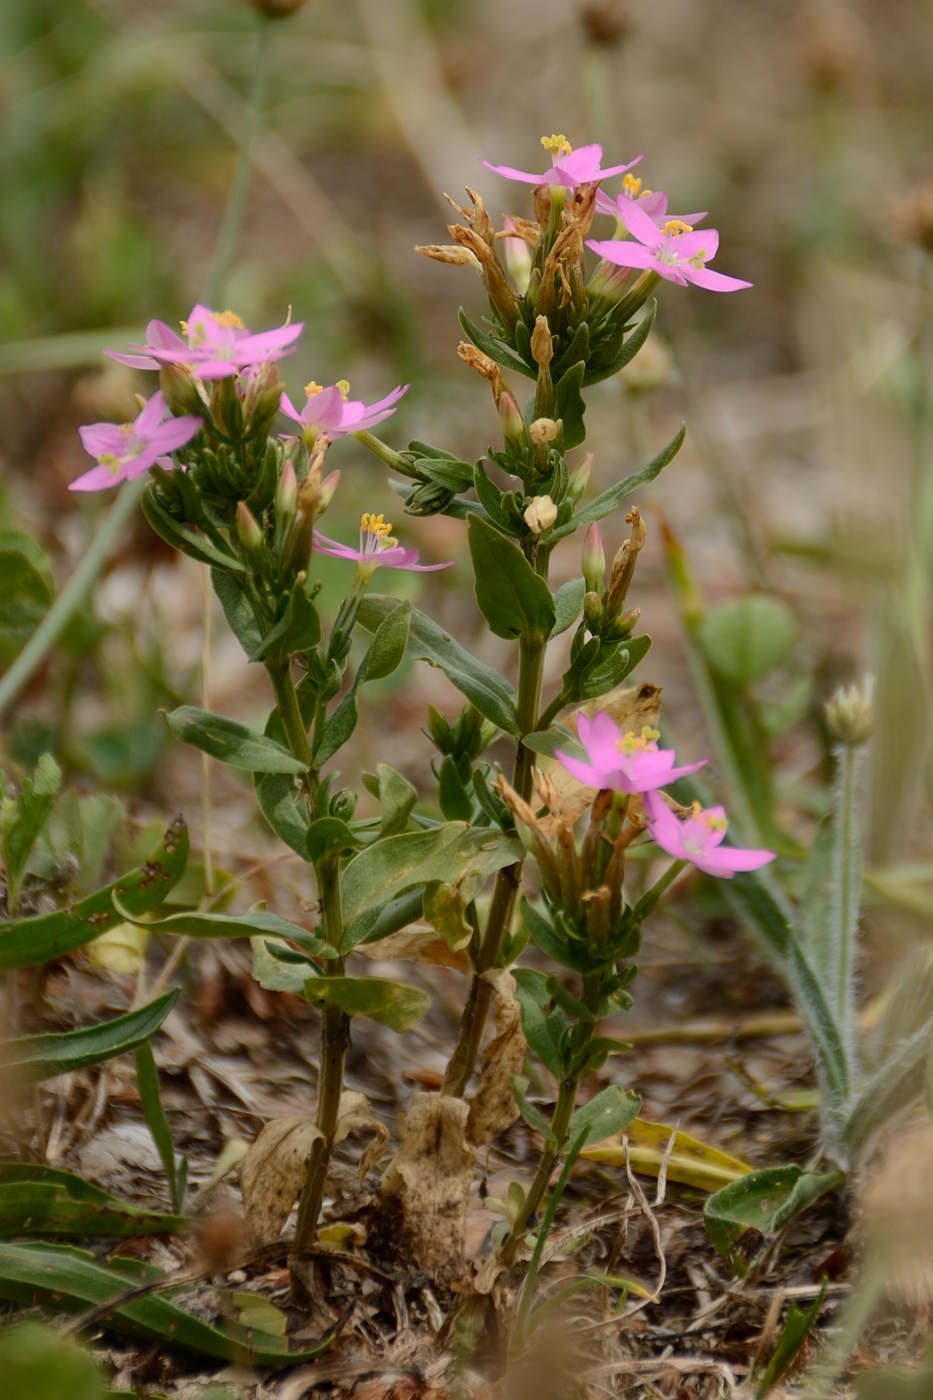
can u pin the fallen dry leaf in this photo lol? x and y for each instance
(432, 1172)
(632, 709)
(417, 943)
(493, 1107)
(273, 1169)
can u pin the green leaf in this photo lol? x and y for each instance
(28, 942)
(186, 540)
(568, 604)
(542, 1026)
(490, 498)
(610, 500)
(485, 688)
(385, 654)
(285, 808)
(515, 601)
(748, 638)
(38, 1364)
(569, 405)
(70, 1280)
(147, 1077)
(766, 1200)
(40, 1200)
(612, 672)
(328, 836)
(397, 798)
(26, 591)
(34, 1058)
(238, 610)
(230, 742)
(627, 351)
(568, 953)
(193, 924)
(23, 819)
(556, 736)
(495, 349)
(797, 1328)
(532, 1115)
(392, 1004)
(273, 972)
(608, 1113)
(298, 629)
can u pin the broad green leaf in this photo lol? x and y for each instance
(611, 673)
(392, 1004)
(328, 836)
(37, 1363)
(230, 742)
(490, 498)
(542, 1028)
(766, 1200)
(23, 819)
(28, 942)
(568, 604)
(610, 500)
(40, 1200)
(515, 601)
(68, 1280)
(285, 808)
(237, 610)
(690, 1162)
(608, 1113)
(627, 351)
(489, 691)
(747, 638)
(569, 405)
(397, 798)
(34, 1058)
(277, 968)
(495, 349)
(26, 591)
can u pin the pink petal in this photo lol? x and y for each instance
(599, 736)
(162, 337)
(728, 860)
(618, 169)
(638, 223)
(690, 219)
(101, 438)
(98, 479)
(276, 342)
(339, 551)
(151, 416)
(654, 205)
(407, 559)
(289, 409)
(512, 174)
(664, 826)
(134, 361)
(606, 204)
(624, 252)
(714, 281)
(582, 165)
(174, 433)
(704, 240)
(583, 772)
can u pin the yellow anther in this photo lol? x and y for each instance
(631, 186)
(184, 327)
(312, 390)
(717, 823)
(344, 386)
(696, 810)
(375, 525)
(229, 318)
(557, 145)
(699, 258)
(677, 226)
(110, 462)
(650, 734)
(632, 743)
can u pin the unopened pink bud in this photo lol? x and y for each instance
(287, 493)
(328, 488)
(517, 258)
(247, 528)
(594, 560)
(513, 425)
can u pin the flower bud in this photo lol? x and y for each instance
(328, 490)
(179, 390)
(296, 551)
(513, 424)
(850, 716)
(592, 611)
(542, 342)
(580, 479)
(544, 430)
(594, 560)
(440, 730)
(286, 493)
(517, 258)
(540, 514)
(622, 625)
(248, 531)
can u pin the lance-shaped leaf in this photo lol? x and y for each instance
(68, 1280)
(514, 600)
(392, 1004)
(568, 604)
(238, 610)
(298, 629)
(765, 1200)
(485, 688)
(193, 924)
(28, 942)
(608, 1113)
(611, 499)
(188, 541)
(40, 1200)
(230, 742)
(34, 1058)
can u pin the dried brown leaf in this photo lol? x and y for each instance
(493, 1107)
(416, 944)
(432, 1172)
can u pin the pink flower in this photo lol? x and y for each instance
(218, 345)
(651, 202)
(622, 762)
(377, 549)
(569, 167)
(699, 838)
(674, 251)
(124, 453)
(330, 411)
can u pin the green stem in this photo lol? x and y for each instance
(335, 1038)
(505, 891)
(73, 595)
(292, 722)
(848, 882)
(236, 200)
(383, 452)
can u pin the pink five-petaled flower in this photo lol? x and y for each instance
(698, 838)
(124, 452)
(569, 167)
(651, 202)
(377, 549)
(218, 345)
(330, 411)
(623, 762)
(674, 251)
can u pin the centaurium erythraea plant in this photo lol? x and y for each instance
(247, 502)
(675, 251)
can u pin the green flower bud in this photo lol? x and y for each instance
(580, 479)
(594, 560)
(248, 532)
(621, 626)
(592, 611)
(850, 715)
(180, 391)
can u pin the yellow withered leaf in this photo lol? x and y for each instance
(692, 1163)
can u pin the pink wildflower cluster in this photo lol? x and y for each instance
(632, 763)
(377, 549)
